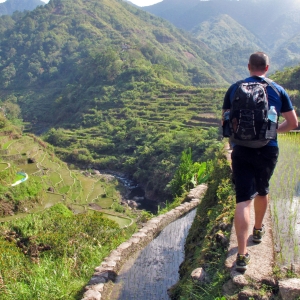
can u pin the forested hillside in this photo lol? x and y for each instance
(104, 82)
(66, 52)
(289, 78)
(63, 37)
(275, 25)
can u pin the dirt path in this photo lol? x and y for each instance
(260, 269)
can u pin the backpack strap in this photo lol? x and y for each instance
(233, 91)
(270, 82)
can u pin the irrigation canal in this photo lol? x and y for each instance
(153, 270)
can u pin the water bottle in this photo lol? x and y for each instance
(271, 132)
(226, 126)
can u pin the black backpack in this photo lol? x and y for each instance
(248, 117)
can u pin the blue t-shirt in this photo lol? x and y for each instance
(282, 104)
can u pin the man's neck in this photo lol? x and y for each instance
(260, 74)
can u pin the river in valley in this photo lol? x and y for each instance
(153, 270)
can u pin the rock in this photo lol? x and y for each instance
(229, 288)
(50, 189)
(239, 279)
(222, 240)
(199, 275)
(96, 172)
(31, 160)
(132, 204)
(247, 294)
(289, 289)
(225, 226)
(91, 295)
(196, 192)
(124, 203)
(97, 287)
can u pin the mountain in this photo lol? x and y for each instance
(65, 51)
(274, 23)
(104, 81)
(10, 6)
(220, 31)
(288, 54)
(65, 33)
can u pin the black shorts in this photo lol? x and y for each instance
(252, 169)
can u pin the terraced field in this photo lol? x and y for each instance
(77, 190)
(104, 129)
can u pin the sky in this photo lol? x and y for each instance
(137, 2)
(145, 2)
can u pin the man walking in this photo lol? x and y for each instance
(253, 167)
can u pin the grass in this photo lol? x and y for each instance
(120, 220)
(97, 192)
(29, 168)
(76, 244)
(3, 166)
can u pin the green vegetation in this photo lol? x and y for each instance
(110, 96)
(284, 194)
(214, 216)
(189, 174)
(66, 244)
(145, 136)
(51, 255)
(50, 240)
(289, 78)
(50, 180)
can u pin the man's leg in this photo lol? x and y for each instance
(241, 222)
(260, 208)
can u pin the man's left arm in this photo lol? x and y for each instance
(290, 122)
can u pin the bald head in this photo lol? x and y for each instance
(258, 62)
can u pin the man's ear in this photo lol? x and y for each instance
(267, 68)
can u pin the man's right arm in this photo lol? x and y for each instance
(226, 102)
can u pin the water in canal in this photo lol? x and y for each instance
(149, 274)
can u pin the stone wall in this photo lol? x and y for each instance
(101, 282)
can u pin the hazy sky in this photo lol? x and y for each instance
(137, 2)
(145, 2)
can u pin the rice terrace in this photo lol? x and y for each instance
(285, 204)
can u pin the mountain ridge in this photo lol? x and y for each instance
(272, 22)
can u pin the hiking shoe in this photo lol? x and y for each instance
(258, 234)
(242, 261)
